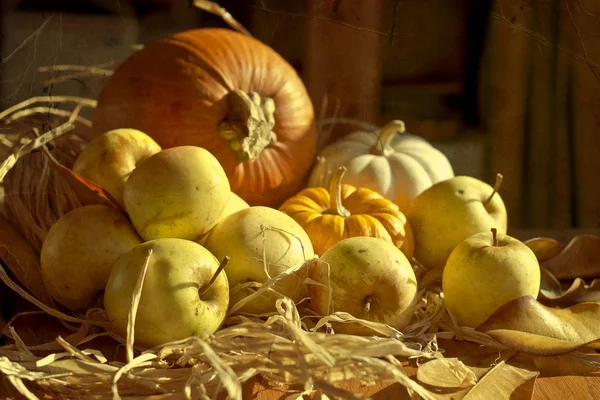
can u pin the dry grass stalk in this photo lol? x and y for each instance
(77, 72)
(34, 194)
(46, 110)
(214, 8)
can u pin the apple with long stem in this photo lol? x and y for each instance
(449, 212)
(185, 291)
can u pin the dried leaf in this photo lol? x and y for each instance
(576, 363)
(22, 261)
(530, 327)
(553, 293)
(579, 259)
(492, 376)
(504, 381)
(446, 373)
(544, 248)
(86, 191)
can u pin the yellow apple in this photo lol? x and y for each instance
(370, 279)
(177, 300)
(449, 212)
(179, 192)
(486, 271)
(79, 251)
(260, 241)
(234, 204)
(109, 158)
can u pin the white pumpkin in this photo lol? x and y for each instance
(391, 162)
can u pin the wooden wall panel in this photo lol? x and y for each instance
(343, 59)
(542, 109)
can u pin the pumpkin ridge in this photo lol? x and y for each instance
(200, 61)
(185, 41)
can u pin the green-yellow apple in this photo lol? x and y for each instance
(234, 204)
(79, 251)
(179, 297)
(486, 271)
(262, 242)
(370, 279)
(449, 212)
(179, 192)
(109, 158)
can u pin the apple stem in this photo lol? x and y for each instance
(215, 275)
(497, 185)
(335, 194)
(368, 301)
(385, 136)
(495, 237)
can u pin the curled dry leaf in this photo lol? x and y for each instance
(86, 191)
(504, 381)
(20, 258)
(530, 327)
(544, 248)
(486, 376)
(446, 373)
(555, 293)
(579, 259)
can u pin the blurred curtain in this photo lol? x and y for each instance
(540, 103)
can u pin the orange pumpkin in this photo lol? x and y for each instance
(223, 91)
(343, 211)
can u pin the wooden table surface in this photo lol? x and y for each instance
(576, 381)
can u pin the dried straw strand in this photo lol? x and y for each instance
(48, 310)
(214, 8)
(135, 302)
(46, 110)
(95, 69)
(45, 99)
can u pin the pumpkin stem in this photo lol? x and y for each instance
(249, 125)
(335, 194)
(386, 135)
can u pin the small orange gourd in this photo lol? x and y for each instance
(343, 211)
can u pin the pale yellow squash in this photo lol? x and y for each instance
(393, 163)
